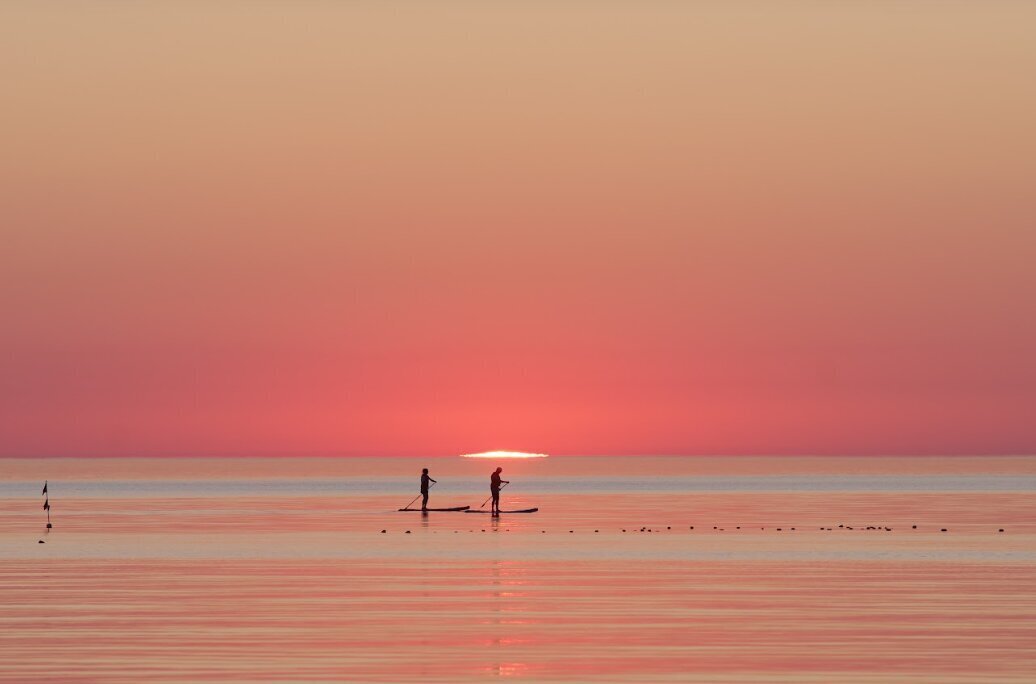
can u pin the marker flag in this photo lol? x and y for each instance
(46, 505)
(44, 487)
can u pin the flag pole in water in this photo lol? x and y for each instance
(46, 504)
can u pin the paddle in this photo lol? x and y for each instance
(418, 497)
(491, 496)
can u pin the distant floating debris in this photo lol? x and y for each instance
(504, 454)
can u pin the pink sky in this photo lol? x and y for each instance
(626, 228)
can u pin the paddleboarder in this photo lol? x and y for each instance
(494, 488)
(425, 479)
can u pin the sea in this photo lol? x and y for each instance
(633, 569)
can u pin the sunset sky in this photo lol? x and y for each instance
(562, 227)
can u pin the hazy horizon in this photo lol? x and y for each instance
(573, 455)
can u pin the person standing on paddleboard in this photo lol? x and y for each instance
(425, 479)
(494, 489)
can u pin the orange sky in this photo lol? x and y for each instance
(396, 228)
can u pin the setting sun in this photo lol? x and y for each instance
(503, 454)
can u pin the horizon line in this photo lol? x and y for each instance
(289, 455)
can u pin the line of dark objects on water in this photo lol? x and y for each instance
(716, 528)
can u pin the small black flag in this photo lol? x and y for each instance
(44, 487)
(46, 505)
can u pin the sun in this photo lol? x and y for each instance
(503, 454)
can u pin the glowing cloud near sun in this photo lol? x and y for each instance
(503, 454)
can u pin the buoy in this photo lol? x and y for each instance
(408, 531)
(943, 529)
(43, 542)
(383, 531)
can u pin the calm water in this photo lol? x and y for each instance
(650, 569)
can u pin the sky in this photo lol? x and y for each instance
(403, 228)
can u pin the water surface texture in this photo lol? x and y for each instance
(634, 569)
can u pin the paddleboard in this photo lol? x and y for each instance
(524, 510)
(458, 508)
